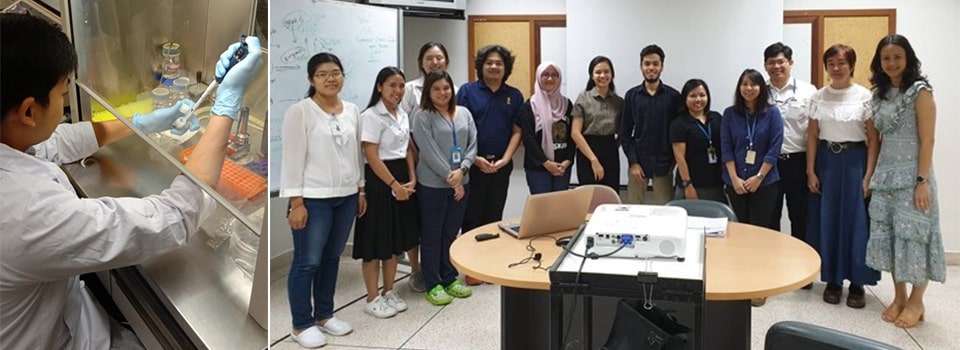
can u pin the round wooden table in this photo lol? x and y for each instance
(750, 262)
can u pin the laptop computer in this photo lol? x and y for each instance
(552, 212)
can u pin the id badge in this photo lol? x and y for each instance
(751, 157)
(455, 156)
(711, 155)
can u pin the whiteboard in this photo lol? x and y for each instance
(365, 38)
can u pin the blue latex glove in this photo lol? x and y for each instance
(162, 119)
(192, 122)
(230, 92)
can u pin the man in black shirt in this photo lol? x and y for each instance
(644, 132)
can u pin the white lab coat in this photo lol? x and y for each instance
(49, 236)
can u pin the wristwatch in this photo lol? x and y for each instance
(761, 176)
(921, 179)
(465, 170)
(686, 183)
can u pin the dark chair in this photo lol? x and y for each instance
(704, 208)
(792, 335)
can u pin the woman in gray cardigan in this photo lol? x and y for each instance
(447, 138)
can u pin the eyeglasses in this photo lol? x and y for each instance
(553, 76)
(331, 75)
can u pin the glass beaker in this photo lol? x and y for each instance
(171, 61)
(161, 98)
(180, 86)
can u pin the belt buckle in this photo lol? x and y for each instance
(836, 147)
(784, 156)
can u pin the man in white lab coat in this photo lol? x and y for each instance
(49, 236)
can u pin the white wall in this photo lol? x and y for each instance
(451, 33)
(518, 7)
(711, 40)
(707, 39)
(931, 27)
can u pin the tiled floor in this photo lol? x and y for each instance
(474, 323)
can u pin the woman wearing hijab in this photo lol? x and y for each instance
(545, 123)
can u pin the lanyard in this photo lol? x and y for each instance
(453, 131)
(708, 133)
(751, 128)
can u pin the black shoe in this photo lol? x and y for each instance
(832, 293)
(855, 297)
(809, 286)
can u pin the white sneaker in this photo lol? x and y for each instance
(393, 299)
(310, 338)
(379, 308)
(336, 326)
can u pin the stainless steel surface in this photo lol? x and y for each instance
(201, 285)
(259, 297)
(265, 141)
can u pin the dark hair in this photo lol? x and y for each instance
(34, 56)
(423, 51)
(777, 48)
(911, 73)
(763, 100)
(593, 63)
(653, 49)
(687, 89)
(314, 64)
(425, 102)
(844, 51)
(504, 54)
(382, 77)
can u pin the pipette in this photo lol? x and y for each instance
(237, 56)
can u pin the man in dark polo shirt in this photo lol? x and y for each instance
(644, 132)
(495, 107)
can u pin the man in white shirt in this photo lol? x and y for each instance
(48, 235)
(790, 95)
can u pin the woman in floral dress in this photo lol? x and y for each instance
(905, 231)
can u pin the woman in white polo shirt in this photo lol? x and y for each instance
(321, 174)
(392, 222)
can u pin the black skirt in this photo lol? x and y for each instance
(389, 227)
(608, 153)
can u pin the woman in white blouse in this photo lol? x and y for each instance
(842, 149)
(321, 174)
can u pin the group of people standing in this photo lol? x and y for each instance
(404, 166)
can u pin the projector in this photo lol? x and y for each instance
(638, 231)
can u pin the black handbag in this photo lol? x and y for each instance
(636, 327)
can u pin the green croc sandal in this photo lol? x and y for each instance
(438, 296)
(459, 290)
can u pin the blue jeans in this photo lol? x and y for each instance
(316, 258)
(541, 181)
(440, 219)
